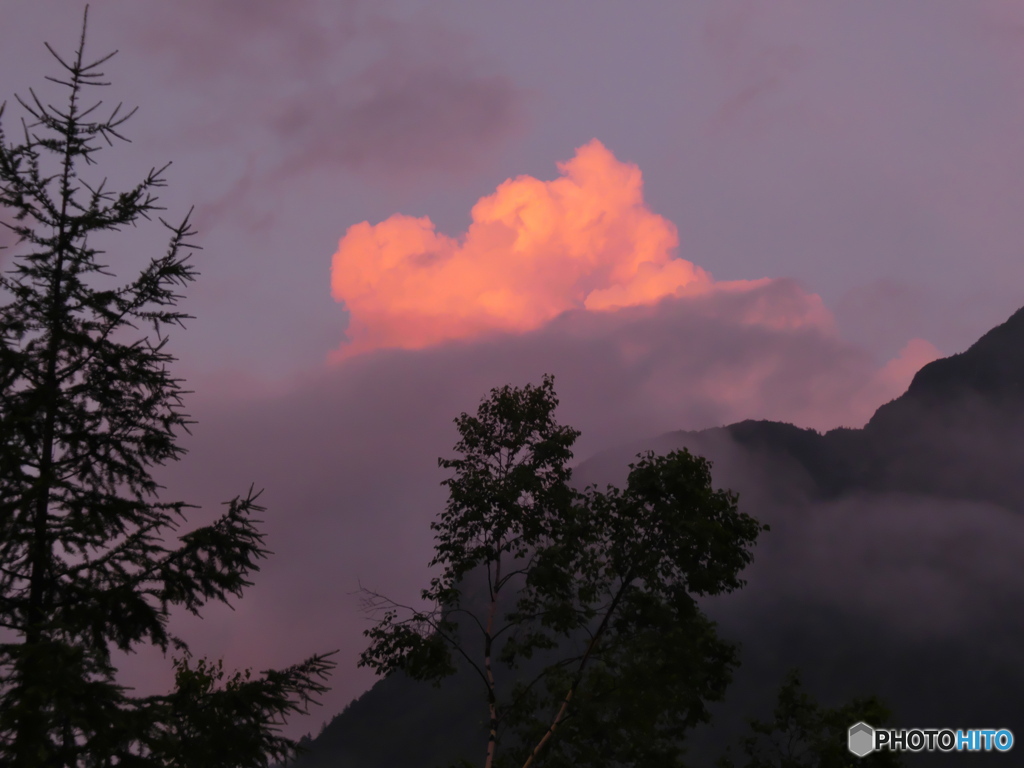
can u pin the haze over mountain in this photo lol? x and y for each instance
(402, 204)
(892, 567)
(951, 434)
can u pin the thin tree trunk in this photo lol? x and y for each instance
(31, 738)
(492, 697)
(564, 708)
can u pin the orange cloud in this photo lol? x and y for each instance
(534, 249)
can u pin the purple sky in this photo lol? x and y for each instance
(867, 158)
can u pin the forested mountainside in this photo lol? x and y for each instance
(892, 568)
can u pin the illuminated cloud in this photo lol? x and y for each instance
(581, 263)
(534, 250)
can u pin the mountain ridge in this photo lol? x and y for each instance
(932, 468)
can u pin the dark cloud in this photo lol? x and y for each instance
(308, 87)
(887, 586)
(426, 103)
(914, 597)
(411, 120)
(233, 40)
(348, 456)
(755, 71)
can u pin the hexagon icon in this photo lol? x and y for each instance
(861, 740)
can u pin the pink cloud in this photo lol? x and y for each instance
(534, 249)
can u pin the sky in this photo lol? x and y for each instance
(690, 213)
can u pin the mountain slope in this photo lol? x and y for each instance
(892, 567)
(953, 433)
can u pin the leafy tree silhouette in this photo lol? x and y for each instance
(804, 734)
(585, 635)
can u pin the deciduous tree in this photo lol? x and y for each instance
(577, 611)
(804, 734)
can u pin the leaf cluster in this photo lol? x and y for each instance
(576, 609)
(804, 734)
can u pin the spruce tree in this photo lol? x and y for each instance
(90, 560)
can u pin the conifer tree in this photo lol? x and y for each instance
(88, 408)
